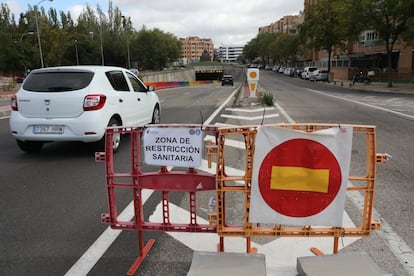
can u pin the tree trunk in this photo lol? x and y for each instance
(389, 60)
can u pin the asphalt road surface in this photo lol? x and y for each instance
(51, 202)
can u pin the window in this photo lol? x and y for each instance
(117, 80)
(58, 81)
(136, 84)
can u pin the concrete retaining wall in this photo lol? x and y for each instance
(189, 74)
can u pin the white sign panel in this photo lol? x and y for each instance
(300, 178)
(173, 146)
(252, 80)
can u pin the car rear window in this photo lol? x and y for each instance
(57, 81)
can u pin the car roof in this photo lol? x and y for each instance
(94, 68)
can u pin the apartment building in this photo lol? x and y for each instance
(287, 24)
(229, 54)
(192, 48)
(369, 53)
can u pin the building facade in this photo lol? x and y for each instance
(369, 53)
(229, 54)
(192, 48)
(287, 24)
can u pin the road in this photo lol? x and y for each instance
(51, 202)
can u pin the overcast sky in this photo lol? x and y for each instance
(226, 22)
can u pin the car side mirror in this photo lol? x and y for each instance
(150, 88)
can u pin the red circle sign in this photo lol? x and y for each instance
(304, 156)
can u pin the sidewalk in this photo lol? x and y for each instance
(376, 86)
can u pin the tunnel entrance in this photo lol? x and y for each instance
(208, 75)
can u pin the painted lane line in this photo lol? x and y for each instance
(395, 243)
(217, 111)
(104, 241)
(250, 110)
(411, 117)
(276, 263)
(87, 261)
(228, 142)
(284, 114)
(224, 125)
(249, 118)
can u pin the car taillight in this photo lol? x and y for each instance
(13, 103)
(94, 102)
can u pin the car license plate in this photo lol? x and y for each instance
(48, 129)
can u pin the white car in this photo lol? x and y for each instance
(78, 103)
(308, 71)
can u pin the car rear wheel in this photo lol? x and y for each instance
(116, 138)
(156, 116)
(30, 146)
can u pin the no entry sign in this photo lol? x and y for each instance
(300, 178)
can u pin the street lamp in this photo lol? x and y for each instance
(76, 49)
(101, 38)
(28, 33)
(101, 41)
(129, 57)
(21, 38)
(38, 32)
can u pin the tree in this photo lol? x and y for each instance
(9, 47)
(149, 57)
(393, 20)
(321, 29)
(284, 48)
(251, 50)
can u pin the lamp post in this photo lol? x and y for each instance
(28, 33)
(101, 38)
(38, 33)
(127, 39)
(101, 42)
(21, 38)
(77, 54)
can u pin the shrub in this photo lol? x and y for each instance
(266, 98)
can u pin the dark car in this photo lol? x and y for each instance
(227, 79)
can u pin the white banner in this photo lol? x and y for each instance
(173, 146)
(300, 178)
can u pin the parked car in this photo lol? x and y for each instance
(227, 79)
(78, 103)
(319, 75)
(307, 72)
(298, 72)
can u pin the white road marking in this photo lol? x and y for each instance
(364, 104)
(276, 263)
(250, 118)
(99, 247)
(395, 243)
(250, 110)
(229, 142)
(400, 249)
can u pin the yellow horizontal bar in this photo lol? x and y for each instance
(299, 179)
